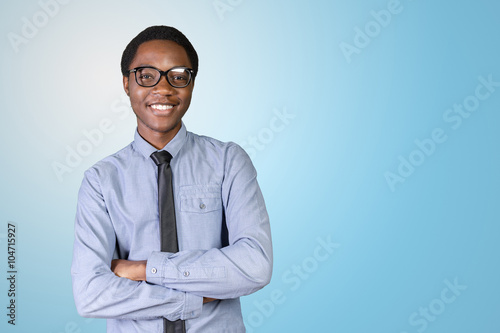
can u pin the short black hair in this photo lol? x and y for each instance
(158, 32)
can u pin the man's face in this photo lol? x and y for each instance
(159, 109)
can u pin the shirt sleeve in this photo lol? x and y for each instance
(242, 267)
(97, 291)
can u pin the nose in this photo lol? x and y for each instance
(163, 87)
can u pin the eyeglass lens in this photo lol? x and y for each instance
(177, 77)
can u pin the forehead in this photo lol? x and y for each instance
(162, 54)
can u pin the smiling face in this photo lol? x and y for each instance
(159, 109)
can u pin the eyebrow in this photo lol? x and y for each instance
(148, 65)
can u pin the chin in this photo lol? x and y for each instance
(164, 128)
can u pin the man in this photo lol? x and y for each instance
(222, 226)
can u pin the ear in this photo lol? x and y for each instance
(125, 85)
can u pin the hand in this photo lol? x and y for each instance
(208, 299)
(136, 271)
(132, 270)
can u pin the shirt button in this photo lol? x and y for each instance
(153, 270)
(186, 274)
(202, 206)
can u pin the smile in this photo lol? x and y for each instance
(161, 107)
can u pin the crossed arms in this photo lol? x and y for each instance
(136, 271)
(122, 289)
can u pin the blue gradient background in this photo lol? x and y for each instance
(322, 174)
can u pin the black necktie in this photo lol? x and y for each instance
(168, 229)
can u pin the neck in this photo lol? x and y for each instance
(158, 139)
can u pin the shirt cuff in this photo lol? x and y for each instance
(155, 267)
(192, 306)
(155, 274)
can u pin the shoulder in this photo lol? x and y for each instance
(112, 163)
(229, 156)
(224, 150)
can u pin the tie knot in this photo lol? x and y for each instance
(161, 157)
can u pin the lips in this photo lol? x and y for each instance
(161, 107)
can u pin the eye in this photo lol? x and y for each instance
(180, 77)
(148, 74)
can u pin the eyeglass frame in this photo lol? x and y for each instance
(162, 73)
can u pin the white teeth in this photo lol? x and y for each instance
(161, 106)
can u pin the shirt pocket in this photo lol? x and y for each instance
(201, 213)
(200, 199)
(201, 203)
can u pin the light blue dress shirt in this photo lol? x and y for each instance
(223, 231)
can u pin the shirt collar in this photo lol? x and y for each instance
(173, 147)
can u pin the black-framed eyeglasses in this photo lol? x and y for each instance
(177, 77)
